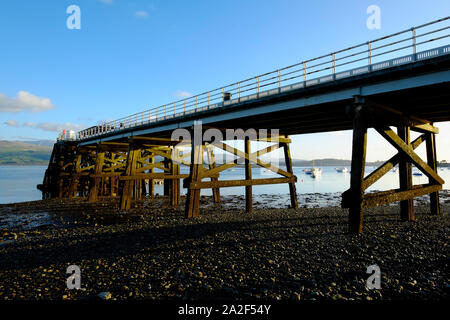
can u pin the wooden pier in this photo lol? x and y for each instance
(396, 96)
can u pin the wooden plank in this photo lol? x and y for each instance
(400, 145)
(405, 176)
(385, 197)
(240, 183)
(432, 162)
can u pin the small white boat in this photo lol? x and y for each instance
(342, 170)
(316, 172)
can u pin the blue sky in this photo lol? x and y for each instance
(129, 56)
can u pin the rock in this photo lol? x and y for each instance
(105, 295)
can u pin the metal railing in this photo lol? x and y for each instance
(361, 58)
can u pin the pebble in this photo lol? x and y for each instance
(272, 253)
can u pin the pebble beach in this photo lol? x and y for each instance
(153, 252)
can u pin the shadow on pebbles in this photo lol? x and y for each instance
(153, 252)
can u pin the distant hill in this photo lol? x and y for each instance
(25, 152)
(38, 152)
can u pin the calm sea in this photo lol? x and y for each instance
(18, 183)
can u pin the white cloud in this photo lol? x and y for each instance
(11, 123)
(53, 126)
(183, 94)
(25, 101)
(141, 14)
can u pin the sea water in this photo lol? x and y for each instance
(18, 183)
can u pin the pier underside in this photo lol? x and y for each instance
(129, 168)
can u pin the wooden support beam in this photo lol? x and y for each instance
(151, 187)
(389, 196)
(60, 183)
(405, 176)
(392, 116)
(212, 165)
(292, 188)
(357, 171)
(95, 182)
(406, 150)
(75, 180)
(167, 183)
(248, 177)
(388, 165)
(241, 154)
(154, 176)
(240, 183)
(174, 191)
(156, 141)
(137, 188)
(193, 195)
(127, 190)
(432, 162)
(375, 175)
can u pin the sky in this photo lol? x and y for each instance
(129, 56)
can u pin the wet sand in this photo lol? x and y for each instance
(152, 252)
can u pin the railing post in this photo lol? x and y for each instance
(174, 109)
(239, 89)
(164, 111)
(369, 45)
(413, 30)
(208, 99)
(304, 70)
(184, 105)
(334, 62)
(195, 103)
(279, 79)
(257, 84)
(223, 94)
